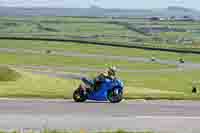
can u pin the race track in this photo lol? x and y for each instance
(60, 71)
(158, 116)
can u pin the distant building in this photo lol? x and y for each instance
(184, 41)
(154, 18)
(184, 18)
(160, 29)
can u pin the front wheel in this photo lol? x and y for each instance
(115, 95)
(79, 96)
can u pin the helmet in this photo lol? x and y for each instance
(112, 70)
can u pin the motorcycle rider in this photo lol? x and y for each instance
(110, 73)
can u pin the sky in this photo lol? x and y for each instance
(127, 4)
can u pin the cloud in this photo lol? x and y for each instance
(46, 3)
(177, 1)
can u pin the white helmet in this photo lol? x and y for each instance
(112, 70)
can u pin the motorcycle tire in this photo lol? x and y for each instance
(79, 96)
(115, 98)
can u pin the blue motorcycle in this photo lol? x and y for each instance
(107, 90)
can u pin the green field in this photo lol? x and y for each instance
(166, 85)
(145, 79)
(161, 34)
(38, 86)
(149, 85)
(176, 85)
(137, 86)
(94, 49)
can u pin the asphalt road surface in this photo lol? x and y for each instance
(158, 116)
(186, 65)
(84, 55)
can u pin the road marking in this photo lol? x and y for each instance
(168, 117)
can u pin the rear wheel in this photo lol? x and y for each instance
(115, 95)
(79, 96)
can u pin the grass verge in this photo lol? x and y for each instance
(167, 85)
(61, 131)
(7, 74)
(40, 86)
(160, 86)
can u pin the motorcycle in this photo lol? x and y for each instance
(108, 90)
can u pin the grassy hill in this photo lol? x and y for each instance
(8, 74)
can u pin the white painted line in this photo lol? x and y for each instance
(35, 100)
(168, 117)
